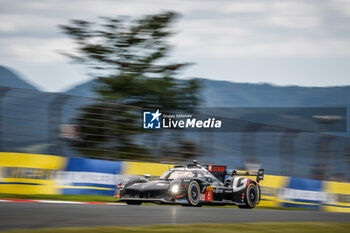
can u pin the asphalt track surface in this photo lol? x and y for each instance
(14, 215)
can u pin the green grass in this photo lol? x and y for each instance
(306, 227)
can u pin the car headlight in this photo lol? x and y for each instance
(175, 188)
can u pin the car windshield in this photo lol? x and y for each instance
(171, 175)
(208, 174)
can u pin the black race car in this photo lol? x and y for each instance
(194, 185)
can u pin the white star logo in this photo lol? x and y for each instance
(156, 115)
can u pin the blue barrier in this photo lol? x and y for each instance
(303, 193)
(90, 176)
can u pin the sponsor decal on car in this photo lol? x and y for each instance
(209, 193)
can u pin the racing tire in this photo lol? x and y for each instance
(193, 193)
(133, 202)
(259, 190)
(251, 197)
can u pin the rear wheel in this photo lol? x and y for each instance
(193, 193)
(133, 202)
(259, 190)
(251, 197)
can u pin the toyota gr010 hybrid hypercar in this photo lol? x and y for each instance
(194, 185)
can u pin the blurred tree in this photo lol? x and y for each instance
(129, 58)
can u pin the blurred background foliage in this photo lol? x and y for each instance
(130, 59)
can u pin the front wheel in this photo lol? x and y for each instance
(193, 193)
(251, 197)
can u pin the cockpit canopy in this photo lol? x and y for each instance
(176, 173)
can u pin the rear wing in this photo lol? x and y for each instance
(220, 171)
(259, 175)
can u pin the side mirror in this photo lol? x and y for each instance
(208, 178)
(147, 176)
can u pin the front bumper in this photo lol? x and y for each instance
(155, 200)
(149, 200)
(159, 196)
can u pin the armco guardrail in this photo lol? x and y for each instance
(46, 174)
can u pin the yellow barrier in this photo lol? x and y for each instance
(338, 197)
(29, 173)
(269, 190)
(138, 168)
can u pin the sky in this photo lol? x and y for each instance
(297, 42)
